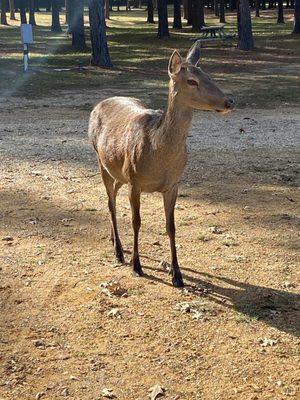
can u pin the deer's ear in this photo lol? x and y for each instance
(175, 63)
(194, 53)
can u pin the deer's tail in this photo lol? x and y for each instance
(94, 126)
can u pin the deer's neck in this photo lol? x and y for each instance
(176, 120)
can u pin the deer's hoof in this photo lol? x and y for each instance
(177, 281)
(138, 272)
(120, 259)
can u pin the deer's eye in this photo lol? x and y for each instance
(191, 82)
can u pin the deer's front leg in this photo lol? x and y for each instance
(169, 204)
(134, 197)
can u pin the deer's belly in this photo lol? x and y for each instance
(160, 176)
(162, 183)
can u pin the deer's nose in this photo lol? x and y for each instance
(229, 103)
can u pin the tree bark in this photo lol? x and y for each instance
(280, 17)
(31, 13)
(177, 15)
(216, 8)
(12, 9)
(185, 12)
(106, 9)
(150, 18)
(297, 17)
(245, 37)
(257, 5)
(55, 6)
(100, 53)
(23, 12)
(76, 24)
(222, 11)
(198, 15)
(67, 5)
(36, 5)
(189, 20)
(163, 28)
(3, 13)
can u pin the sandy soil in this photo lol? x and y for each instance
(232, 333)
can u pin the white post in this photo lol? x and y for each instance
(27, 38)
(25, 53)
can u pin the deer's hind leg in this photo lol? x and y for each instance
(112, 186)
(134, 198)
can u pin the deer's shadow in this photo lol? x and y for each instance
(277, 308)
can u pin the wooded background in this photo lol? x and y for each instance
(189, 12)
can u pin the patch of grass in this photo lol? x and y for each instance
(229, 241)
(40, 249)
(244, 318)
(134, 292)
(203, 238)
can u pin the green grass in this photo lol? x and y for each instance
(259, 78)
(244, 318)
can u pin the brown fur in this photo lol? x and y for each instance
(146, 149)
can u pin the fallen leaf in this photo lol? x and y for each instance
(36, 173)
(8, 238)
(267, 342)
(156, 392)
(112, 288)
(165, 266)
(114, 313)
(108, 393)
(215, 229)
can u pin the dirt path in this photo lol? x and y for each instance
(232, 333)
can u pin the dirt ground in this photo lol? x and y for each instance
(231, 333)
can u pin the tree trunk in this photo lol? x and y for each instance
(31, 13)
(76, 24)
(222, 11)
(189, 13)
(3, 13)
(12, 9)
(23, 12)
(216, 8)
(185, 12)
(198, 15)
(100, 53)
(177, 15)
(55, 26)
(297, 17)
(245, 37)
(150, 18)
(280, 18)
(257, 5)
(163, 28)
(106, 9)
(68, 6)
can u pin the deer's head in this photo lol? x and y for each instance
(193, 87)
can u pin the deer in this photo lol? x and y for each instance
(147, 149)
